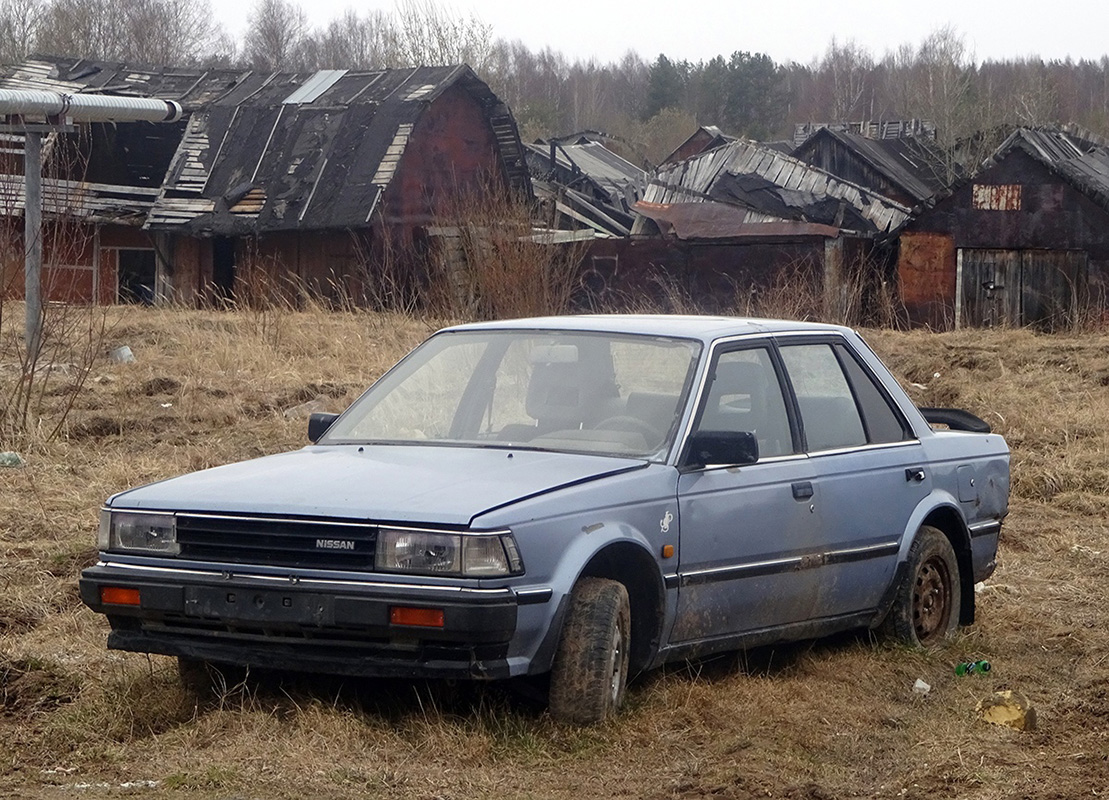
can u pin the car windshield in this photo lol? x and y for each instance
(569, 391)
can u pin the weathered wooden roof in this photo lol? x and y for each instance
(871, 128)
(1077, 156)
(89, 201)
(590, 180)
(704, 138)
(776, 186)
(278, 151)
(913, 165)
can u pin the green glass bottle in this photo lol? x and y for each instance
(971, 667)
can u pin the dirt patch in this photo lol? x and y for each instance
(14, 622)
(28, 686)
(162, 385)
(97, 427)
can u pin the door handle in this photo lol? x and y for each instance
(802, 490)
(914, 474)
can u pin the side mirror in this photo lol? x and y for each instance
(318, 423)
(721, 448)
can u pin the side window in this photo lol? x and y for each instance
(828, 411)
(883, 424)
(744, 395)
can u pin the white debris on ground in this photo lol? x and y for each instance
(306, 410)
(11, 460)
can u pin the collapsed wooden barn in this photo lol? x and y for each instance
(313, 180)
(746, 228)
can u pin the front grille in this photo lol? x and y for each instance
(278, 542)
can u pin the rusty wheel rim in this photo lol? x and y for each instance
(931, 600)
(617, 666)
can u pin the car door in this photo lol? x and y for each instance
(746, 531)
(868, 471)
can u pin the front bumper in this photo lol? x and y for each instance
(318, 625)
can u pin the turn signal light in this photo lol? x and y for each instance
(118, 596)
(421, 617)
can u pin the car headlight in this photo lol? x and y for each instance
(133, 532)
(448, 554)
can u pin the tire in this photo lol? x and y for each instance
(590, 672)
(925, 609)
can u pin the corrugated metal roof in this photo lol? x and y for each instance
(762, 179)
(610, 173)
(319, 147)
(588, 183)
(315, 86)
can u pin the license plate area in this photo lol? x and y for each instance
(259, 605)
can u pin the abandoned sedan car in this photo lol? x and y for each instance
(581, 496)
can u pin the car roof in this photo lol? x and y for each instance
(704, 328)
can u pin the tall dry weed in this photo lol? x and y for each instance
(490, 261)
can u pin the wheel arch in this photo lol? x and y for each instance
(950, 523)
(633, 566)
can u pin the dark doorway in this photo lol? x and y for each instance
(223, 268)
(137, 274)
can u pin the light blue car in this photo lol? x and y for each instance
(587, 497)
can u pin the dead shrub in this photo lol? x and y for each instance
(489, 261)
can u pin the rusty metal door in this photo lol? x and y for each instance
(991, 288)
(1021, 287)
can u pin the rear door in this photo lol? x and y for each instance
(869, 472)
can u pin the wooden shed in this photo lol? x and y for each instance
(318, 179)
(909, 170)
(1025, 241)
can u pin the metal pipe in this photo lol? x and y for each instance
(88, 107)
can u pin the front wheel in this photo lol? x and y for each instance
(590, 672)
(925, 609)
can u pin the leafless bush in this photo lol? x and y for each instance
(795, 292)
(488, 261)
(39, 385)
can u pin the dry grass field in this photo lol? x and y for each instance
(826, 719)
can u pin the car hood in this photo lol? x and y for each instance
(389, 483)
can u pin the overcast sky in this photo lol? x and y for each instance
(789, 30)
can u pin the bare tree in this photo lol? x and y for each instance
(276, 35)
(430, 34)
(87, 28)
(140, 31)
(351, 41)
(850, 69)
(20, 21)
(170, 31)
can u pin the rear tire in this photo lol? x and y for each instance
(590, 672)
(925, 609)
